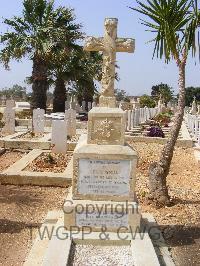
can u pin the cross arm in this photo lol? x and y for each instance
(125, 45)
(93, 44)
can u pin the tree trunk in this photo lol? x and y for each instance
(158, 171)
(40, 84)
(59, 96)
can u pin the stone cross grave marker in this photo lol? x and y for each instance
(104, 168)
(59, 136)
(109, 45)
(38, 121)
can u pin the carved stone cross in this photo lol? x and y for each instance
(109, 45)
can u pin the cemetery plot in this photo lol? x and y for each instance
(49, 162)
(30, 136)
(8, 157)
(30, 170)
(22, 211)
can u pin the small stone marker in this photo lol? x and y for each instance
(77, 108)
(198, 110)
(38, 121)
(94, 104)
(9, 118)
(70, 120)
(67, 105)
(84, 106)
(10, 104)
(194, 107)
(89, 106)
(59, 137)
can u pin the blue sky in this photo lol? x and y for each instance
(138, 72)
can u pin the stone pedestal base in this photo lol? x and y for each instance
(106, 126)
(98, 215)
(107, 101)
(103, 172)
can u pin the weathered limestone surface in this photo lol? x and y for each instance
(9, 118)
(59, 136)
(109, 45)
(115, 179)
(114, 215)
(103, 166)
(38, 121)
(106, 126)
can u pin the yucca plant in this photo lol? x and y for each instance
(39, 32)
(174, 24)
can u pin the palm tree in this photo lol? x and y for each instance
(174, 22)
(36, 34)
(78, 70)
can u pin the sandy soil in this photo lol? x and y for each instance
(50, 162)
(30, 136)
(8, 158)
(180, 223)
(24, 208)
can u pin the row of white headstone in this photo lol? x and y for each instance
(139, 116)
(61, 129)
(193, 123)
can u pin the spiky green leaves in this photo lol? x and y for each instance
(174, 23)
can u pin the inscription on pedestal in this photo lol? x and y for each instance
(108, 219)
(104, 177)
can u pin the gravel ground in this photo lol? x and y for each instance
(2, 135)
(89, 255)
(180, 223)
(30, 136)
(24, 208)
(8, 158)
(22, 211)
(50, 162)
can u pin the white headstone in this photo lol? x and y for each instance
(89, 106)
(10, 104)
(70, 120)
(67, 105)
(198, 110)
(59, 136)
(78, 108)
(129, 120)
(137, 117)
(9, 120)
(194, 107)
(132, 118)
(83, 105)
(23, 105)
(94, 104)
(38, 121)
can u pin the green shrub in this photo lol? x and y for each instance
(163, 118)
(24, 114)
